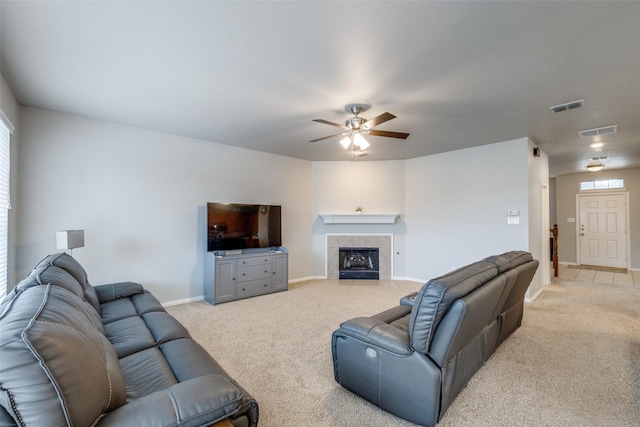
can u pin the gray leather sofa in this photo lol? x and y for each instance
(110, 355)
(414, 359)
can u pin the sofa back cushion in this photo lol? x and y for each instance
(437, 295)
(73, 267)
(509, 260)
(465, 321)
(57, 367)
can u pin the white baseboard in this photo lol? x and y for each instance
(567, 263)
(304, 279)
(183, 301)
(536, 295)
(410, 279)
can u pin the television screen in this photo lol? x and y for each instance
(242, 226)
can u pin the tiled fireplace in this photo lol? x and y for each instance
(367, 242)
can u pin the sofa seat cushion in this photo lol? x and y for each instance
(201, 401)
(189, 360)
(164, 327)
(137, 333)
(159, 367)
(129, 335)
(146, 372)
(57, 367)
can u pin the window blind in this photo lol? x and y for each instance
(5, 203)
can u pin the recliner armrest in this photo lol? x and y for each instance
(409, 300)
(198, 401)
(377, 333)
(113, 291)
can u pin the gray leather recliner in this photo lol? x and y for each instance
(414, 359)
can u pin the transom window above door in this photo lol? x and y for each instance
(606, 184)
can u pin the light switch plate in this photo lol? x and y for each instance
(513, 212)
(571, 220)
(513, 220)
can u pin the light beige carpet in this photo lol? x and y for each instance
(574, 362)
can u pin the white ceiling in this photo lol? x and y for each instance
(255, 74)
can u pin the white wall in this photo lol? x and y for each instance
(457, 203)
(340, 187)
(453, 206)
(141, 198)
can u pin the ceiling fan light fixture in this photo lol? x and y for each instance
(355, 127)
(355, 123)
(595, 167)
(360, 142)
(345, 142)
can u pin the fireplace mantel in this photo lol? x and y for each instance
(358, 219)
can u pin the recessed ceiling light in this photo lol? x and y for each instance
(568, 106)
(598, 131)
(597, 145)
(595, 167)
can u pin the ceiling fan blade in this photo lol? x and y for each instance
(384, 117)
(326, 122)
(388, 134)
(327, 137)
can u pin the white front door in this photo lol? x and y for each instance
(602, 231)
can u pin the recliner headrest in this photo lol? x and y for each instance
(509, 260)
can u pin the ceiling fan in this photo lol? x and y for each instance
(356, 126)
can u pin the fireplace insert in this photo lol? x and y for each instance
(359, 263)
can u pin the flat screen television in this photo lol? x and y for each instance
(243, 226)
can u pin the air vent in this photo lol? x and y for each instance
(599, 131)
(600, 158)
(568, 106)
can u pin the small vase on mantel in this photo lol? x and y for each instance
(358, 210)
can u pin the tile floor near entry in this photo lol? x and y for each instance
(630, 278)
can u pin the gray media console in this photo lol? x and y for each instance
(232, 277)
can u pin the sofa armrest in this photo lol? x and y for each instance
(199, 401)
(377, 333)
(409, 300)
(113, 291)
